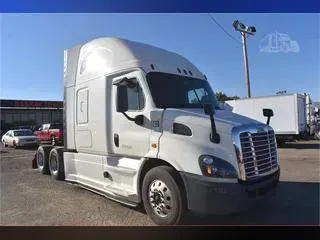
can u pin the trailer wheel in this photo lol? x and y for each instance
(163, 196)
(43, 159)
(56, 165)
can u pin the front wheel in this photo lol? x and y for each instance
(164, 197)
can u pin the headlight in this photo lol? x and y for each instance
(216, 167)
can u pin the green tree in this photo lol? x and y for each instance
(223, 97)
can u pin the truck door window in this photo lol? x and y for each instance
(201, 93)
(136, 99)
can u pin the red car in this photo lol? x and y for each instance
(50, 133)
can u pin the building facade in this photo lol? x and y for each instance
(32, 114)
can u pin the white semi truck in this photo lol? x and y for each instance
(295, 117)
(143, 126)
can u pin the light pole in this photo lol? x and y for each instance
(244, 31)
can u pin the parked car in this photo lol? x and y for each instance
(19, 138)
(50, 133)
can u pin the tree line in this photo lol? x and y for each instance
(223, 97)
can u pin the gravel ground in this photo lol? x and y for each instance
(28, 198)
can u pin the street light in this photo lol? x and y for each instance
(249, 30)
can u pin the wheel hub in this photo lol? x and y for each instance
(160, 198)
(54, 165)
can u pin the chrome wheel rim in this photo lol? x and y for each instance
(160, 198)
(54, 164)
(40, 159)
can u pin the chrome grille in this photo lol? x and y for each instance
(258, 152)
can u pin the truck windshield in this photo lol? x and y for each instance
(174, 91)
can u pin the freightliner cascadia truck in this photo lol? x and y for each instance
(142, 126)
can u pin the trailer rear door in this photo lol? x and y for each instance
(302, 116)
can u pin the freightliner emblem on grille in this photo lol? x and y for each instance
(260, 130)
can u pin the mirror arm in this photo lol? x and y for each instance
(214, 136)
(268, 120)
(129, 118)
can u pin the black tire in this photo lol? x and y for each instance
(281, 143)
(4, 143)
(56, 157)
(43, 153)
(172, 180)
(14, 145)
(53, 141)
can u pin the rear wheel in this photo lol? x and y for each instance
(43, 159)
(164, 196)
(4, 143)
(56, 165)
(14, 144)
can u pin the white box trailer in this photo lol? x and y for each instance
(289, 120)
(143, 126)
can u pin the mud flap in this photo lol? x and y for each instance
(34, 162)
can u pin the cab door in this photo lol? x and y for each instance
(130, 139)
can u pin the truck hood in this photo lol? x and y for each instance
(225, 120)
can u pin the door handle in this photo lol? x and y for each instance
(116, 139)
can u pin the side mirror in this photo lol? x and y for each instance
(208, 109)
(267, 113)
(122, 99)
(122, 104)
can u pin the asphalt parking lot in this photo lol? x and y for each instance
(29, 198)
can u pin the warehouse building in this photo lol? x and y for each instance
(31, 114)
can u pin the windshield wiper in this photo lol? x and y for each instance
(198, 98)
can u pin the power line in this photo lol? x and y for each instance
(224, 29)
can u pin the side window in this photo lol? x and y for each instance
(136, 100)
(45, 127)
(192, 97)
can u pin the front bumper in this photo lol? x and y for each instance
(206, 195)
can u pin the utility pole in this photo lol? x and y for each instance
(246, 67)
(244, 31)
